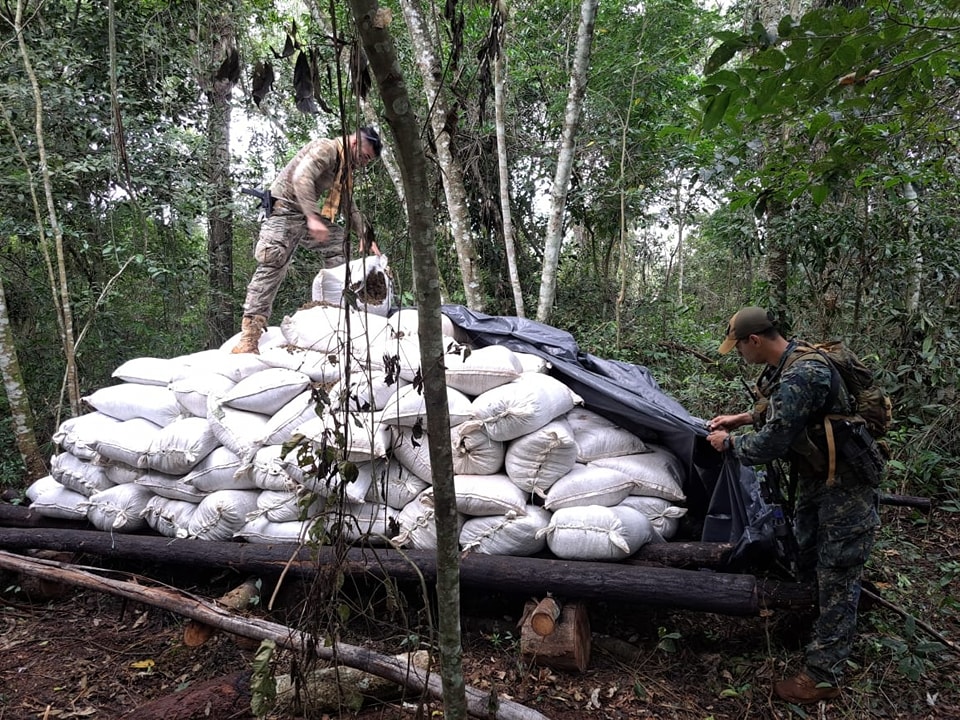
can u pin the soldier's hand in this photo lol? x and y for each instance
(717, 438)
(317, 229)
(730, 422)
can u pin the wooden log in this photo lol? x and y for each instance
(725, 593)
(479, 703)
(196, 633)
(567, 647)
(543, 618)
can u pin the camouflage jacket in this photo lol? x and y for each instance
(309, 176)
(789, 418)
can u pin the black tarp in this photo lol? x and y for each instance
(722, 495)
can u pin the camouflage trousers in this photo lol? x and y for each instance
(835, 528)
(280, 235)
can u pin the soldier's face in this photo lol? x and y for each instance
(748, 348)
(365, 152)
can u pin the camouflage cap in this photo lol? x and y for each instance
(745, 322)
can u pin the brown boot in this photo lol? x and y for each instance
(803, 689)
(251, 330)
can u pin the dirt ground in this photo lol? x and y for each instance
(75, 653)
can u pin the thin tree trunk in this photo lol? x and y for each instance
(561, 180)
(64, 309)
(219, 86)
(373, 23)
(915, 271)
(501, 13)
(450, 167)
(20, 413)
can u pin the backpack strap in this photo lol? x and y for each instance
(808, 352)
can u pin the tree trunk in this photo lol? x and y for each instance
(21, 415)
(378, 43)
(451, 170)
(499, 102)
(219, 86)
(60, 289)
(561, 180)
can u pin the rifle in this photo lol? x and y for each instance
(769, 480)
(266, 199)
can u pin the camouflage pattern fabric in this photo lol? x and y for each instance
(280, 235)
(835, 526)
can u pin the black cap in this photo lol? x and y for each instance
(370, 134)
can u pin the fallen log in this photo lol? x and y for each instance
(724, 593)
(703, 591)
(479, 703)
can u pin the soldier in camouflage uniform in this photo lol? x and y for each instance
(835, 520)
(321, 169)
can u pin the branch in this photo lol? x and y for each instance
(479, 703)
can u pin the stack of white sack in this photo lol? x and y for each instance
(323, 435)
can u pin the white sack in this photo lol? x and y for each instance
(418, 527)
(591, 532)
(473, 372)
(271, 337)
(220, 514)
(191, 391)
(119, 473)
(656, 473)
(405, 322)
(394, 485)
(662, 514)
(79, 435)
(407, 407)
(148, 371)
(55, 501)
(537, 460)
(480, 495)
(370, 284)
(166, 516)
(510, 534)
(267, 391)
(409, 446)
(286, 505)
(474, 452)
(599, 438)
(262, 531)
(324, 328)
(365, 391)
(119, 509)
(522, 406)
(178, 447)
(127, 441)
(321, 367)
(283, 423)
(127, 401)
(273, 471)
(171, 487)
(239, 430)
(533, 363)
(356, 436)
(233, 366)
(82, 476)
(218, 471)
(42, 485)
(588, 485)
(370, 523)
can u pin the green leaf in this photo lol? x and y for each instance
(715, 110)
(723, 54)
(819, 193)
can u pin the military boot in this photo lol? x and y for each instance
(802, 689)
(251, 330)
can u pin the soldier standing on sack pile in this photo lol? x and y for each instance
(294, 217)
(836, 512)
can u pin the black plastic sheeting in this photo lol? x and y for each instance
(723, 498)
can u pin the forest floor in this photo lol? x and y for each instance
(83, 654)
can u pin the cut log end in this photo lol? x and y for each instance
(567, 647)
